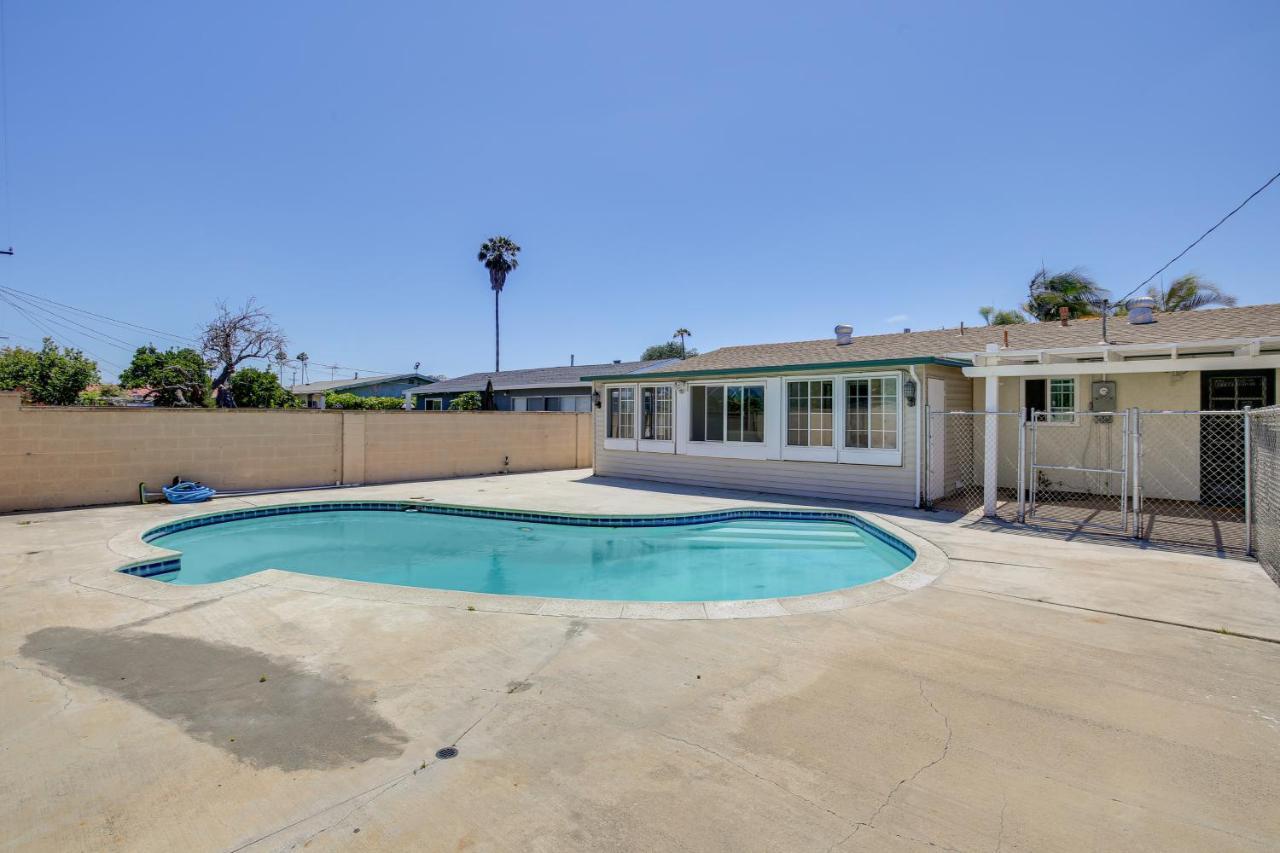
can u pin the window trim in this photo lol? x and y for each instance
(613, 442)
(1048, 395)
(871, 455)
(725, 440)
(655, 445)
(809, 452)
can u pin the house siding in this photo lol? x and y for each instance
(885, 484)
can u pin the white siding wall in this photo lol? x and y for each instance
(843, 481)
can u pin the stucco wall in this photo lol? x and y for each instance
(1170, 471)
(62, 457)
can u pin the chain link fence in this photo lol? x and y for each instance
(1192, 483)
(955, 461)
(1203, 480)
(1078, 469)
(1264, 441)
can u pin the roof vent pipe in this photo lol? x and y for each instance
(844, 334)
(1063, 313)
(1141, 311)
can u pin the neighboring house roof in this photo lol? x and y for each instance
(946, 345)
(339, 384)
(538, 377)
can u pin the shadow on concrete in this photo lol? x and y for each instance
(264, 710)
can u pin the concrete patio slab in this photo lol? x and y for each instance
(1037, 695)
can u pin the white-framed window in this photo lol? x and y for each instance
(872, 429)
(1053, 399)
(621, 422)
(432, 404)
(810, 413)
(657, 413)
(727, 413)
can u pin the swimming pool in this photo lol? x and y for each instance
(721, 556)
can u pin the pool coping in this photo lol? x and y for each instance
(131, 544)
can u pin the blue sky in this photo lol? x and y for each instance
(755, 172)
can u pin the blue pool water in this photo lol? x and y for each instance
(722, 560)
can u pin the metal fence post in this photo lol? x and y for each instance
(1248, 484)
(1137, 473)
(1022, 472)
(927, 499)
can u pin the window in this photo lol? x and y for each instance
(656, 413)
(535, 404)
(809, 418)
(1053, 400)
(622, 413)
(581, 404)
(871, 413)
(733, 413)
(432, 404)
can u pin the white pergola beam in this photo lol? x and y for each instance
(1182, 364)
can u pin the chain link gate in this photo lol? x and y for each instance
(1264, 507)
(955, 461)
(1078, 469)
(1193, 479)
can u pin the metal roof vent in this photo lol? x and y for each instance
(1141, 311)
(844, 334)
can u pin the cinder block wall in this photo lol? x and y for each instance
(63, 457)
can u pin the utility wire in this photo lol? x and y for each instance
(4, 123)
(36, 321)
(1252, 195)
(31, 298)
(105, 337)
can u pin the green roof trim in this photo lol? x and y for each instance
(630, 378)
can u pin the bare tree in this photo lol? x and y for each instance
(234, 337)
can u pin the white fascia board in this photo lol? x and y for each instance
(1171, 365)
(1184, 347)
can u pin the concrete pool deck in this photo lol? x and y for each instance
(1037, 695)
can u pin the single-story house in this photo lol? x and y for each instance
(843, 417)
(386, 385)
(538, 389)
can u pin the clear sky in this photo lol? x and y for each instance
(752, 171)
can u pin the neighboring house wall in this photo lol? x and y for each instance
(57, 457)
(383, 389)
(889, 484)
(514, 399)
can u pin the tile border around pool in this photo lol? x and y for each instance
(157, 563)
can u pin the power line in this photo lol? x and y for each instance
(101, 316)
(1252, 195)
(36, 321)
(106, 338)
(33, 300)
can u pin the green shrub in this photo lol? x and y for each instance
(467, 401)
(347, 400)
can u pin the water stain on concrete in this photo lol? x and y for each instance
(266, 711)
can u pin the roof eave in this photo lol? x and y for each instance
(781, 368)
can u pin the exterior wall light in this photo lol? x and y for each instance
(909, 391)
(595, 398)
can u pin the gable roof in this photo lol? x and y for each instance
(946, 346)
(539, 377)
(339, 384)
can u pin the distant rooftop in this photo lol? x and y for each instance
(339, 384)
(541, 377)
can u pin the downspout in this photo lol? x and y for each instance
(919, 407)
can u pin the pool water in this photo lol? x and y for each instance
(724, 560)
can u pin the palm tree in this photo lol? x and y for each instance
(281, 361)
(303, 358)
(1079, 294)
(682, 333)
(1002, 316)
(1189, 292)
(498, 254)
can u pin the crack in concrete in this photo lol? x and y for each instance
(1004, 807)
(870, 822)
(752, 773)
(60, 681)
(576, 628)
